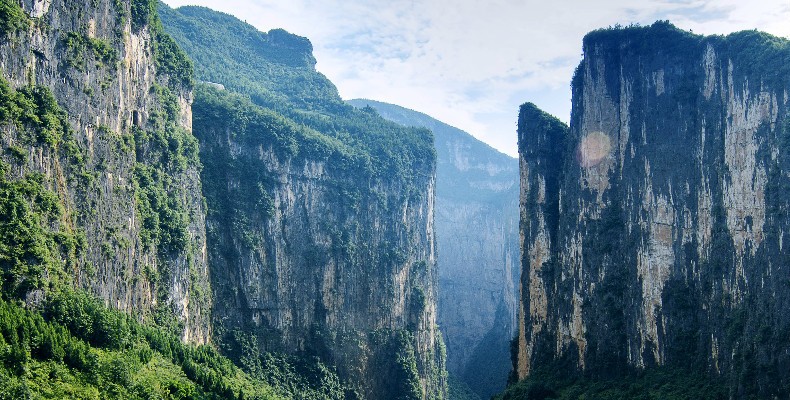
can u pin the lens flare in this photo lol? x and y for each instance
(594, 147)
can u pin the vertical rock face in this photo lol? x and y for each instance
(540, 142)
(312, 254)
(653, 229)
(477, 236)
(321, 223)
(135, 202)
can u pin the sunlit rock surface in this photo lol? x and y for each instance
(102, 70)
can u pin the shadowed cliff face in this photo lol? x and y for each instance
(476, 229)
(653, 229)
(316, 259)
(135, 203)
(321, 222)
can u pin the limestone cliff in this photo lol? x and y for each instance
(477, 238)
(321, 221)
(653, 228)
(124, 165)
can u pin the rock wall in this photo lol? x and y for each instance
(108, 67)
(315, 255)
(653, 228)
(320, 226)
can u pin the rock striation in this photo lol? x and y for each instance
(653, 227)
(125, 169)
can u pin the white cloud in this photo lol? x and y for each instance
(471, 63)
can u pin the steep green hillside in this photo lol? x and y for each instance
(320, 223)
(101, 222)
(60, 342)
(273, 68)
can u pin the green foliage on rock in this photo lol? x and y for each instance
(302, 376)
(79, 46)
(30, 251)
(217, 110)
(275, 71)
(274, 66)
(665, 383)
(171, 62)
(168, 150)
(458, 390)
(143, 13)
(170, 59)
(35, 114)
(399, 373)
(65, 343)
(74, 346)
(164, 222)
(758, 55)
(36, 248)
(12, 18)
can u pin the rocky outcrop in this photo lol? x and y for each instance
(653, 229)
(134, 201)
(477, 237)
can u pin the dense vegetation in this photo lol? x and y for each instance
(274, 67)
(657, 383)
(757, 54)
(12, 18)
(171, 62)
(59, 342)
(458, 390)
(276, 71)
(74, 346)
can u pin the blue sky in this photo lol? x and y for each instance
(471, 63)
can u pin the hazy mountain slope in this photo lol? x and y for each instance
(477, 235)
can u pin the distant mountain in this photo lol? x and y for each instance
(477, 232)
(467, 169)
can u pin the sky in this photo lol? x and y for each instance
(471, 63)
